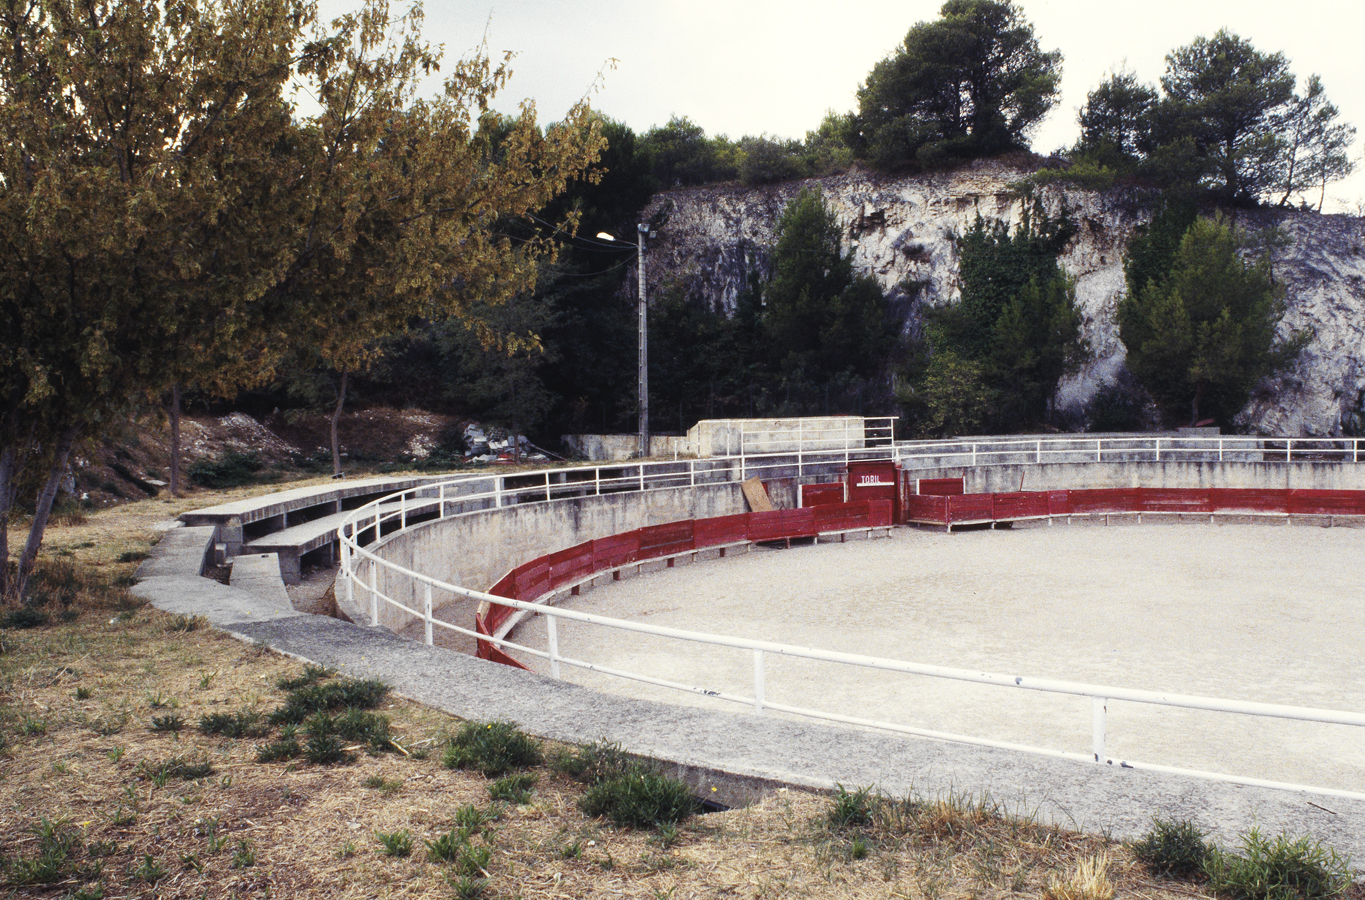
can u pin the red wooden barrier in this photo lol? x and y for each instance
(926, 508)
(1059, 503)
(615, 550)
(720, 530)
(1192, 500)
(970, 508)
(1262, 500)
(570, 564)
(1019, 505)
(941, 487)
(781, 524)
(844, 516)
(822, 494)
(666, 539)
(1326, 503)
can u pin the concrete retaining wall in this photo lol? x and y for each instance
(1176, 474)
(476, 550)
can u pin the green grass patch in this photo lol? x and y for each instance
(492, 748)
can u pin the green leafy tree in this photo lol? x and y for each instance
(1228, 96)
(681, 154)
(1199, 338)
(169, 219)
(972, 83)
(825, 324)
(1016, 331)
(1317, 146)
(1114, 121)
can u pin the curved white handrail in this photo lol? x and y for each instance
(453, 496)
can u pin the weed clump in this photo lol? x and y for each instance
(593, 763)
(850, 809)
(1172, 849)
(513, 788)
(1280, 868)
(246, 723)
(332, 696)
(493, 748)
(234, 469)
(641, 798)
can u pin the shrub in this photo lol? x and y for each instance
(640, 798)
(1281, 868)
(1172, 849)
(494, 748)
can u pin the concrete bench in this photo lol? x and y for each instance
(259, 574)
(181, 551)
(293, 543)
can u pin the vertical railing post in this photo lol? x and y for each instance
(800, 447)
(973, 454)
(692, 472)
(348, 570)
(402, 510)
(1220, 449)
(1288, 449)
(1039, 459)
(1158, 449)
(552, 644)
(1099, 450)
(547, 487)
(441, 499)
(758, 682)
(426, 611)
(1097, 712)
(597, 482)
(642, 477)
(374, 594)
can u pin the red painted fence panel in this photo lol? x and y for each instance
(941, 487)
(970, 508)
(615, 550)
(1019, 505)
(1262, 500)
(571, 564)
(1192, 500)
(662, 540)
(781, 524)
(1326, 503)
(926, 508)
(844, 516)
(720, 530)
(821, 494)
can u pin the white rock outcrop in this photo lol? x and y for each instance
(903, 230)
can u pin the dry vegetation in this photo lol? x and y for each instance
(89, 759)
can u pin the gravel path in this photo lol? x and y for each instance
(1253, 612)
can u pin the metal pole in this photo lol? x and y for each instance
(641, 232)
(426, 609)
(552, 644)
(374, 595)
(758, 682)
(1097, 727)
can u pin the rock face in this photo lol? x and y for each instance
(903, 230)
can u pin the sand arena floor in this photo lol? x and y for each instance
(1271, 613)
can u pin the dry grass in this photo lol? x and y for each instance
(77, 703)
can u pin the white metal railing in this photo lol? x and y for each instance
(767, 445)
(458, 496)
(1125, 448)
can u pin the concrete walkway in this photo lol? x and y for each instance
(742, 754)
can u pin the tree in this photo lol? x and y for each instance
(1228, 97)
(824, 323)
(972, 83)
(1002, 349)
(1316, 144)
(1115, 120)
(1200, 337)
(168, 219)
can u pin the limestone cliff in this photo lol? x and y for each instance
(902, 231)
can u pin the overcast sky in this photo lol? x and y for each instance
(740, 67)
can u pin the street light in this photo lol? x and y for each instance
(641, 231)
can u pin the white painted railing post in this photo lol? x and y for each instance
(758, 682)
(497, 491)
(547, 487)
(1039, 459)
(1097, 707)
(1220, 449)
(642, 478)
(597, 482)
(1288, 449)
(1099, 450)
(1158, 449)
(441, 498)
(374, 594)
(347, 562)
(973, 453)
(403, 510)
(552, 644)
(426, 612)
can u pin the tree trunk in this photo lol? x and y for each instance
(8, 457)
(61, 453)
(175, 440)
(336, 420)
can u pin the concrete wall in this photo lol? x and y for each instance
(1176, 474)
(611, 447)
(476, 550)
(722, 437)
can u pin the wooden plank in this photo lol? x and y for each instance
(757, 495)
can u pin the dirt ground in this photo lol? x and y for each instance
(1247, 612)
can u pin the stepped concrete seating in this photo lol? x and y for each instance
(259, 574)
(301, 521)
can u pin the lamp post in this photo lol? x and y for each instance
(641, 232)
